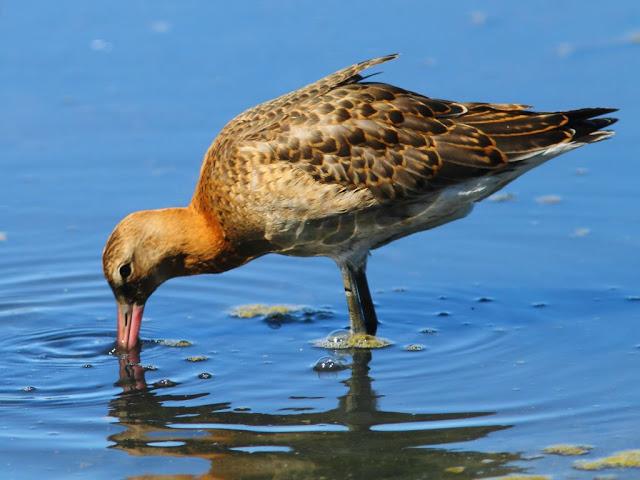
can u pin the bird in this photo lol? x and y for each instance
(337, 168)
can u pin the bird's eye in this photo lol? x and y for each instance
(125, 270)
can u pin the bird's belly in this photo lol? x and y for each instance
(352, 233)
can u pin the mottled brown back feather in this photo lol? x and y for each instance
(393, 142)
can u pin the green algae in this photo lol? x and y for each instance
(262, 310)
(277, 315)
(567, 449)
(457, 469)
(623, 459)
(197, 358)
(174, 343)
(352, 341)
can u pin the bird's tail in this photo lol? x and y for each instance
(587, 128)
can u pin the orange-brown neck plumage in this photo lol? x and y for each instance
(198, 239)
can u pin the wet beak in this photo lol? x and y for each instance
(129, 321)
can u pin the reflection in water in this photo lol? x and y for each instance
(339, 443)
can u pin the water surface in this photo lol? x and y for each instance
(527, 310)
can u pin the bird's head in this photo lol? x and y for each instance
(147, 248)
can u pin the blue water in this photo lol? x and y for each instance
(106, 108)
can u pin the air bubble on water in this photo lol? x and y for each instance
(429, 331)
(484, 299)
(329, 364)
(478, 17)
(100, 45)
(549, 200)
(565, 49)
(502, 197)
(338, 337)
(149, 368)
(580, 232)
(29, 389)
(165, 383)
(205, 376)
(414, 347)
(160, 26)
(87, 365)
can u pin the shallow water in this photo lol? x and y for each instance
(527, 310)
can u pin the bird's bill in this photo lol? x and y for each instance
(129, 321)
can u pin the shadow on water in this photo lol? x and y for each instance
(344, 442)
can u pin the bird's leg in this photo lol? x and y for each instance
(361, 310)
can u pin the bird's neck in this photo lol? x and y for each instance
(199, 241)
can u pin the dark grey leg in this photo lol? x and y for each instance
(361, 310)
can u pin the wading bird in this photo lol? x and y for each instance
(336, 169)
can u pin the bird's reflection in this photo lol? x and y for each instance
(349, 441)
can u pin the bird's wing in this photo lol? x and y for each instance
(398, 143)
(266, 114)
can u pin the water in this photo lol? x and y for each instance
(527, 310)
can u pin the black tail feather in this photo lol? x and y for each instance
(586, 113)
(585, 126)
